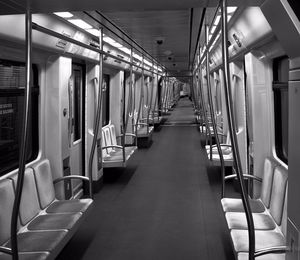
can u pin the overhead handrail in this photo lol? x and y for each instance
(45, 30)
(232, 130)
(98, 115)
(70, 122)
(24, 131)
(213, 119)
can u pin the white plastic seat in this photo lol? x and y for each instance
(112, 153)
(257, 205)
(273, 215)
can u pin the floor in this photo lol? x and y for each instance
(164, 205)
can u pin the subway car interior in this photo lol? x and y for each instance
(149, 129)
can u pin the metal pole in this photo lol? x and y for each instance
(98, 115)
(213, 120)
(23, 143)
(207, 127)
(151, 98)
(141, 96)
(232, 130)
(132, 85)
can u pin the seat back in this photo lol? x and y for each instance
(278, 193)
(266, 187)
(107, 138)
(7, 196)
(283, 225)
(103, 144)
(113, 134)
(29, 206)
(44, 182)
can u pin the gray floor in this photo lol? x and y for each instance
(164, 205)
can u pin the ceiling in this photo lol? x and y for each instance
(167, 29)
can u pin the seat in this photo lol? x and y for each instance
(112, 153)
(263, 239)
(46, 193)
(273, 215)
(257, 205)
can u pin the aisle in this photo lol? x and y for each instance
(163, 206)
(182, 114)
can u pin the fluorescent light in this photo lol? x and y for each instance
(148, 63)
(94, 32)
(231, 9)
(108, 40)
(64, 14)
(116, 44)
(217, 20)
(80, 23)
(213, 28)
(126, 50)
(138, 57)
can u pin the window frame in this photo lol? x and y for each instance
(33, 138)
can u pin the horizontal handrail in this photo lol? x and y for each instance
(246, 176)
(126, 134)
(272, 250)
(6, 250)
(69, 177)
(112, 146)
(45, 30)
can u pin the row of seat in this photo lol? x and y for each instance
(45, 224)
(226, 152)
(269, 215)
(114, 155)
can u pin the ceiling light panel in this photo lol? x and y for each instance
(80, 23)
(64, 14)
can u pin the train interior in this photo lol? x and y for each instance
(149, 130)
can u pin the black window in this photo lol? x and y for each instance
(12, 85)
(105, 100)
(281, 112)
(77, 101)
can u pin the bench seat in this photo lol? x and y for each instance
(41, 235)
(236, 205)
(257, 205)
(270, 226)
(112, 153)
(263, 239)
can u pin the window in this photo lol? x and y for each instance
(218, 97)
(280, 89)
(105, 100)
(78, 81)
(12, 84)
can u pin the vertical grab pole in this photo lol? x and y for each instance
(156, 99)
(207, 127)
(132, 86)
(212, 112)
(141, 95)
(202, 100)
(98, 114)
(23, 147)
(232, 130)
(151, 98)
